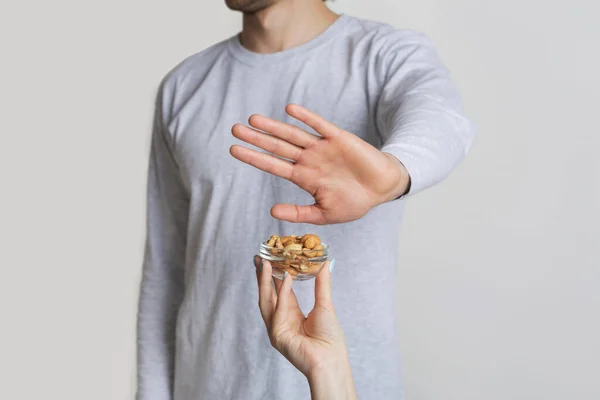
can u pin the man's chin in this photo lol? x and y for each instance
(248, 6)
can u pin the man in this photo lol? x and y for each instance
(357, 115)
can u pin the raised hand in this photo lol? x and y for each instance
(346, 175)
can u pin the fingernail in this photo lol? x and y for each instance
(284, 275)
(331, 265)
(260, 261)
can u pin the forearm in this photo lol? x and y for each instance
(333, 381)
(160, 298)
(430, 152)
(420, 115)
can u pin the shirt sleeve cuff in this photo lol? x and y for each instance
(413, 165)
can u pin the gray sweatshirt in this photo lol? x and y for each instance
(200, 333)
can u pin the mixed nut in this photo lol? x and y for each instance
(297, 252)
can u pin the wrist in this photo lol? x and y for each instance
(401, 179)
(332, 380)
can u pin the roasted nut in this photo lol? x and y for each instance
(293, 247)
(288, 260)
(317, 251)
(293, 265)
(272, 240)
(309, 241)
(292, 271)
(280, 266)
(287, 240)
(297, 239)
(294, 253)
(291, 251)
(276, 252)
(277, 248)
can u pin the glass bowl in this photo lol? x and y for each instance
(302, 265)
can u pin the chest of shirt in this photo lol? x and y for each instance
(210, 105)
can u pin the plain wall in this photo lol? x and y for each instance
(499, 284)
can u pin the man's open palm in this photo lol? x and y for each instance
(345, 175)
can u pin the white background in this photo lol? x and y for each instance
(499, 291)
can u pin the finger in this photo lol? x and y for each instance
(264, 162)
(285, 297)
(266, 142)
(267, 298)
(298, 214)
(293, 300)
(323, 287)
(287, 132)
(318, 123)
(258, 269)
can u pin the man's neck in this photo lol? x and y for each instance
(286, 24)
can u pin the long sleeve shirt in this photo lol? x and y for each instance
(200, 333)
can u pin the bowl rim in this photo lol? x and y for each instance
(324, 257)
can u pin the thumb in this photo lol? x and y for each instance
(323, 286)
(299, 214)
